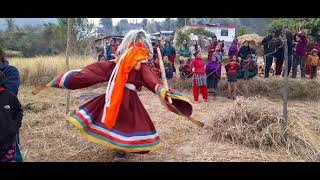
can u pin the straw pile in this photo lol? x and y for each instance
(259, 125)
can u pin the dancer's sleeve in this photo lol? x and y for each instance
(76, 79)
(180, 104)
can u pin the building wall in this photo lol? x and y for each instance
(217, 31)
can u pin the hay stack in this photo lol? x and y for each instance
(254, 42)
(259, 124)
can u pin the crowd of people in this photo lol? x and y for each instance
(241, 63)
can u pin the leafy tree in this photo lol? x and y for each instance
(242, 30)
(106, 25)
(186, 34)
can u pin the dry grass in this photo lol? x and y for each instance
(259, 124)
(40, 70)
(298, 89)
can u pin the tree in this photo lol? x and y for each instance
(186, 34)
(144, 24)
(242, 30)
(123, 25)
(106, 25)
(182, 21)
(10, 24)
(167, 24)
(81, 29)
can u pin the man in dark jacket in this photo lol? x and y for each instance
(10, 122)
(12, 84)
(268, 47)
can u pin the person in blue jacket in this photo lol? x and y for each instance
(12, 84)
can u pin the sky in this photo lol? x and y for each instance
(116, 20)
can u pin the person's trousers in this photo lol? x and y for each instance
(279, 64)
(267, 65)
(313, 72)
(299, 60)
(290, 58)
(204, 92)
(172, 58)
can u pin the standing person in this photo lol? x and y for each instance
(313, 62)
(155, 51)
(170, 52)
(300, 54)
(278, 55)
(184, 52)
(195, 48)
(213, 46)
(232, 67)
(10, 120)
(199, 80)
(213, 72)
(12, 84)
(168, 67)
(268, 47)
(290, 44)
(117, 119)
(220, 51)
(233, 50)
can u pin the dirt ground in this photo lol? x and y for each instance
(47, 136)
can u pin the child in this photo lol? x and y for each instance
(313, 62)
(213, 71)
(231, 69)
(168, 67)
(197, 66)
(249, 69)
(10, 122)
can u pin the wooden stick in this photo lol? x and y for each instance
(285, 89)
(68, 67)
(165, 83)
(163, 73)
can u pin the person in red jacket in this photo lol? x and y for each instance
(199, 80)
(232, 68)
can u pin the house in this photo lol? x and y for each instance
(225, 33)
(100, 41)
(164, 35)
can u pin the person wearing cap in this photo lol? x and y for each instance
(313, 61)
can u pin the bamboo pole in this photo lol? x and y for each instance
(163, 73)
(165, 83)
(285, 90)
(68, 67)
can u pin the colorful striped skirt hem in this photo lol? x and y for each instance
(112, 138)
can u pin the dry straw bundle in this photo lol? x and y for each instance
(259, 125)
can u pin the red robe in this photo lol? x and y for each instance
(134, 130)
